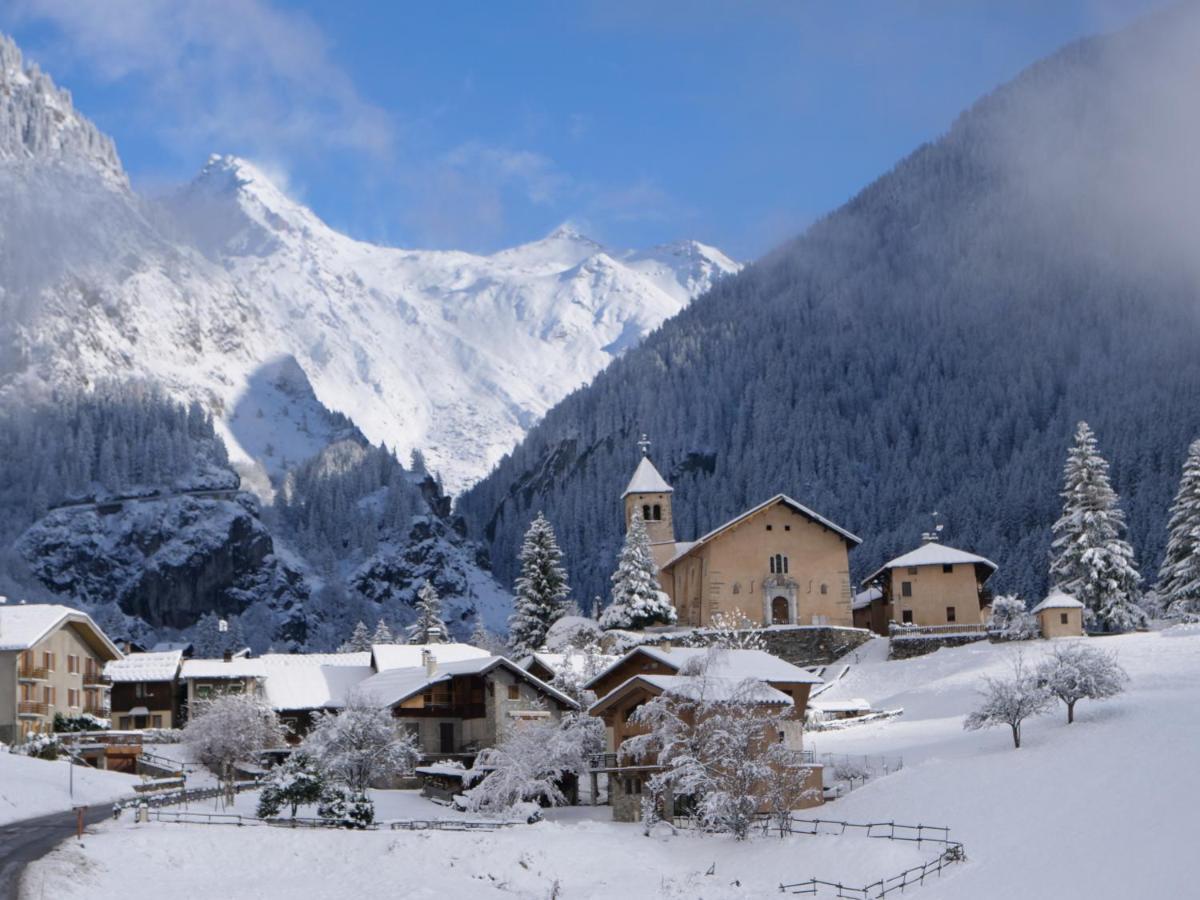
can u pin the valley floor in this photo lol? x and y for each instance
(1098, 809)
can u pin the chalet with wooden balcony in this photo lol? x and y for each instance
(647, 672)
(52, 660)
(146, 690)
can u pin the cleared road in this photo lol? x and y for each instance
(30, 839)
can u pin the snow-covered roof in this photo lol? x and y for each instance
(778, 498)
(647, 480)
(24, 624)
(161, 666)
(853, 704)
(396, 685)
(577, 662)
(932, 554)
(1058, 600)
(405, 656)
(313, 680)
(700, 687)
(863, 599)
(238, 667)
(733, 664)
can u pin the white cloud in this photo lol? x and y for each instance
(218, 74)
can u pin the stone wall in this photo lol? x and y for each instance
(919, 645)
(813, 645)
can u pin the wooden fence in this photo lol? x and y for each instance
(188, 817)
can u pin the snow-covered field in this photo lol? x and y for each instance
(35, 787)
(1098, 809)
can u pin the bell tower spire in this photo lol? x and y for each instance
(649, 494)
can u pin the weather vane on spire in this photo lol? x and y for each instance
(644, 445)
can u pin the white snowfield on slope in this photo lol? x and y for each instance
(1098, 810)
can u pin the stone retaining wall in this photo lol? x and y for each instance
(919, 645)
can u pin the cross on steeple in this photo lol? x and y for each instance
(644, 445)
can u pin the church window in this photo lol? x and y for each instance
(778, 564)
(737, 587)
(657, 513)
(824, 588)
(646, 512)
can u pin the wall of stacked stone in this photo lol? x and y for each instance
(919, 645)
(801, 645)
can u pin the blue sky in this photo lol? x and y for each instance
(483, 125)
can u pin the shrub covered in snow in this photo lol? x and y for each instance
(360, 744)
(297, 782)
(1010, 701)
(1075, 672)
(1011, 619)
(81, 722)
(347, 808)
(42, 745)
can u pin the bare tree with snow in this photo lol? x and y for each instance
(733, 631)
(1010, 701)
(230, 729)
(360, 744)
(1075, 671)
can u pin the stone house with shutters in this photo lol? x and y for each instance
(930, 586)
(52, 661)
(779, 563)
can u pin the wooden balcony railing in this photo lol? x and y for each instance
(33, 672)
(95, 709)
(94, 678)
(32, 708)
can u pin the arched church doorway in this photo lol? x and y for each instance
(779, 611)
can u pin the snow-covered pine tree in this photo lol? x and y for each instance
(541, 589)
(359, 640)
(429, 627)
(1092, 561)
(484, 639)
(1179, 575)
(637, 600)
(382, 634)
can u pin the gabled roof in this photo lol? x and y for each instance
(933, 554)
(396, 685)
(238, 667)
(647, 480)
(734, 664)
(852, 539)
(313, 680)
(555, 661)
(22, 625)
(863, 598)
(697, 687)
(1058, 600)
(163, 666)
(407, 656)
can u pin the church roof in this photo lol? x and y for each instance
(932, 554)
(647, 480)
(851, 539)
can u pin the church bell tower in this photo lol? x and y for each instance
(649, 493)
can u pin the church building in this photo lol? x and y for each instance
(779, 563)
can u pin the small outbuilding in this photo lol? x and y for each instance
(1060, 615)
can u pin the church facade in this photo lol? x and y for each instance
(779, 563)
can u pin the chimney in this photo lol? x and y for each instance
(228, 656)
(665, 646)
(429, 661)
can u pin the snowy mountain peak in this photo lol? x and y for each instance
(38, 122)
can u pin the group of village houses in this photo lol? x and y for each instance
(777, 564)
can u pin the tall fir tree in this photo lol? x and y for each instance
(1179, 575)
(382, 634)
(1092, 561)
(637, 600)
(359, 640)
(541, 589)
(429, 627)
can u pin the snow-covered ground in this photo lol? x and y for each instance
(35, 787)
(1098, 809)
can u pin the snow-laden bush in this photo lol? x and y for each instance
(229, 729)
(1010, 701)
(1075, 672)
(528, 763)
(360, 744)
(347, 808)
(1011, 619)
(41, 745)
(81, 722)
(731, 631)
(162, 736)
(296, 782)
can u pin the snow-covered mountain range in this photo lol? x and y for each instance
(233, 293)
